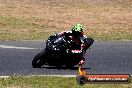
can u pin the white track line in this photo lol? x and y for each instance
(54, 75)
(46, 75)
(14, 47)
(43, 75)
(4, 76)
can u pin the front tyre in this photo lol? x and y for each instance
(39, 60)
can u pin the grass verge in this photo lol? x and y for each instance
(51, 82)
(38, 19)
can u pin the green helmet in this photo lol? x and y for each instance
(78, 28)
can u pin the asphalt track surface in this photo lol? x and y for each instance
(103, 58)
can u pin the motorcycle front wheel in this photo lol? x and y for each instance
(39, 59)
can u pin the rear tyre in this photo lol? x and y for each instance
(70, 66)
(70, 63)
(39, 60)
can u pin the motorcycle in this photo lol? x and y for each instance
(59, 51)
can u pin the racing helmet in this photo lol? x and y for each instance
(77, 29)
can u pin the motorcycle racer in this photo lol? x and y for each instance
(64, 49)
(77, 35)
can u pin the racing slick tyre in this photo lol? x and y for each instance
(81, 79)
(39, 60)
(70, 66)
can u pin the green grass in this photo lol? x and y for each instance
(51, 82)
(18, 29)
(38, 19)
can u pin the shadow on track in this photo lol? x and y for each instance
(62, 68)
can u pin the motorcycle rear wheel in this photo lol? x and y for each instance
(70, 66)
